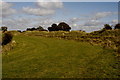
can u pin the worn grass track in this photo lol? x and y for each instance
(39, 57)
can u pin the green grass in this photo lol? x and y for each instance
(40, 57)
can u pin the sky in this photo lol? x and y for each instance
(87, 16)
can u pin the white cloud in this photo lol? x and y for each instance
(93, 23)
(85, 28)
(74, 20)
(43, 8)
(88, 24)
(38, 11)
(114, 21)
(74, 24)
(100, 15)
(91, 28)
(17, 23)
(7, 9)
(53, 4)
(27, 22)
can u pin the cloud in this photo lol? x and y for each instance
(91, 28)
(93, 23)
(17, 23)
(86, 24)
(85, 28)
(74, 20)
(53, 4)
(100, 15)
(38, 11)
(43, 8)
(114, 21)
(23, 23)
(7, 9)
(91, 20)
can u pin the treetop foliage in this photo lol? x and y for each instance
(60, 27)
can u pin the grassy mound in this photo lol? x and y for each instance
(42, 57)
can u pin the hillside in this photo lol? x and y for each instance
(36, 55)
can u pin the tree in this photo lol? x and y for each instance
(31, 29)
(4, 29)
(55, 27)
(117, 26)
(40, 28)
(51, 29)
(36, 29)
(64, 26)
(107, 27)
(61, 27)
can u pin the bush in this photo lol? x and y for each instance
(4, 29)
(107, 27)
(117, 26)
(19, 31)
(7, 38)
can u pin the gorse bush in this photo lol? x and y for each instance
(7, 37)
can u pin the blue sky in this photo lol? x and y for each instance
(62, 0)
(88, 16)
(77, 9)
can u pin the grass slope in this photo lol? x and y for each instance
(39, 57)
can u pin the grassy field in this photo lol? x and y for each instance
(42, 57)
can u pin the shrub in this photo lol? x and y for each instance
(19, 31)
(117, 26)
(4, 29)
(7, 38)
(107, 27)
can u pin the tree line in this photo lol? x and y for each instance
(54, 27)
(61, 27)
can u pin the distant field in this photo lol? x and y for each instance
(40, 57)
